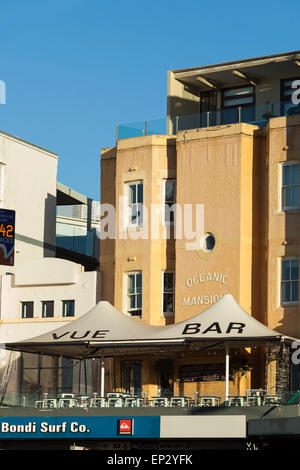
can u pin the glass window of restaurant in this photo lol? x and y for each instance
(131, 377)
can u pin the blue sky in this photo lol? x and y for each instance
(75, 68)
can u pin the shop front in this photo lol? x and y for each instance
(213, 354)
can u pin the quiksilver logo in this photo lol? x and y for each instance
(124, 427)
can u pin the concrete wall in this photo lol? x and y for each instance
(220, 167)
(30, 190)
(48, 279)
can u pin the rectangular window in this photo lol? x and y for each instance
(238, 105)
(27, 309)
(290, 186)
(68, 308)
(134, 294)
(135, 203)
(289, 281)
(243, 96)
(47, 308)
(169, 201)
(168, 292)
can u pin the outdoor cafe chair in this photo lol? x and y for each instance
(255, 397)
(209, 401)
(115, 402)
(271, 400)
(97, 401)
(237, 401)
(39, 404)
(134, 401)
(67, 403)
(46, 402)
(83, 401)
(115, 395)
(160, 401)
(50, 403)
(179, 401)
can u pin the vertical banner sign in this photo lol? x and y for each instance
(7, 237)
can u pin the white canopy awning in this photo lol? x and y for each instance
(104, 330)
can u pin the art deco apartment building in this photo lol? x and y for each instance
(232, 147)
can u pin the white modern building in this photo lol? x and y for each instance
(45, 288)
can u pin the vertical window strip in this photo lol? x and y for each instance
(169, 200)
(289, 280)
(135, 203)
(27, 309)
(134, 294)
(290, 186)
(68, 308)
(168, 293)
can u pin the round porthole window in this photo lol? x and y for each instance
(208, 242)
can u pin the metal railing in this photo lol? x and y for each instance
(257, 115)
(251, 398)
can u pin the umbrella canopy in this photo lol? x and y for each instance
(104, 330)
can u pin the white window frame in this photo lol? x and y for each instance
(22, 302)
(165, 181)
(127, 309)
(139, 223)
(281, 301)
(63, 302)
(43, 302)
(167, 314)
(282, 166)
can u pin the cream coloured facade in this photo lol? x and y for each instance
(39, 292)
(242, 168)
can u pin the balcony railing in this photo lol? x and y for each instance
(258, 398)
(257, 115)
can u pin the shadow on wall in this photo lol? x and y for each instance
(48, 244)
(50, 226)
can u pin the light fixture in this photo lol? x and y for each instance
(207, 82)
(244, 76)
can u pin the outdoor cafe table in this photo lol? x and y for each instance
(180, 401)
(209, 401)
(255, 396)
(160, 401)
(97, 400)
(131, 401)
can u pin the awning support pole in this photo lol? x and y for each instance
(227, 373)
(102, 368)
